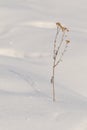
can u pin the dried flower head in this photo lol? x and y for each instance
(62, 28)
(58, 24)
(67, 41)
(65, 29)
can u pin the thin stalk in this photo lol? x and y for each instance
(57, 53)
(53, 81)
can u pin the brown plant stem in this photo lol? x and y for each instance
(53, 80)
(59, 49)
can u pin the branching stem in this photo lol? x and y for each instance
(57, 53)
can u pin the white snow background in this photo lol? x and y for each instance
(27, 31)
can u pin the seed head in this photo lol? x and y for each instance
(67, 41)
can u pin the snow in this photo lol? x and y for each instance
(27, 31)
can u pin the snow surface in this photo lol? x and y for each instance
(27, 31)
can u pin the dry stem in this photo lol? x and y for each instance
(57, 58)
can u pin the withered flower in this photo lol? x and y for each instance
(58, 24)
(67, 41)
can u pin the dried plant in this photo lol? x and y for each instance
(60, 47)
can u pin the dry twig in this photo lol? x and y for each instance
(59, 50)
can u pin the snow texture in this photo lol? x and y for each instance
(27, 31)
